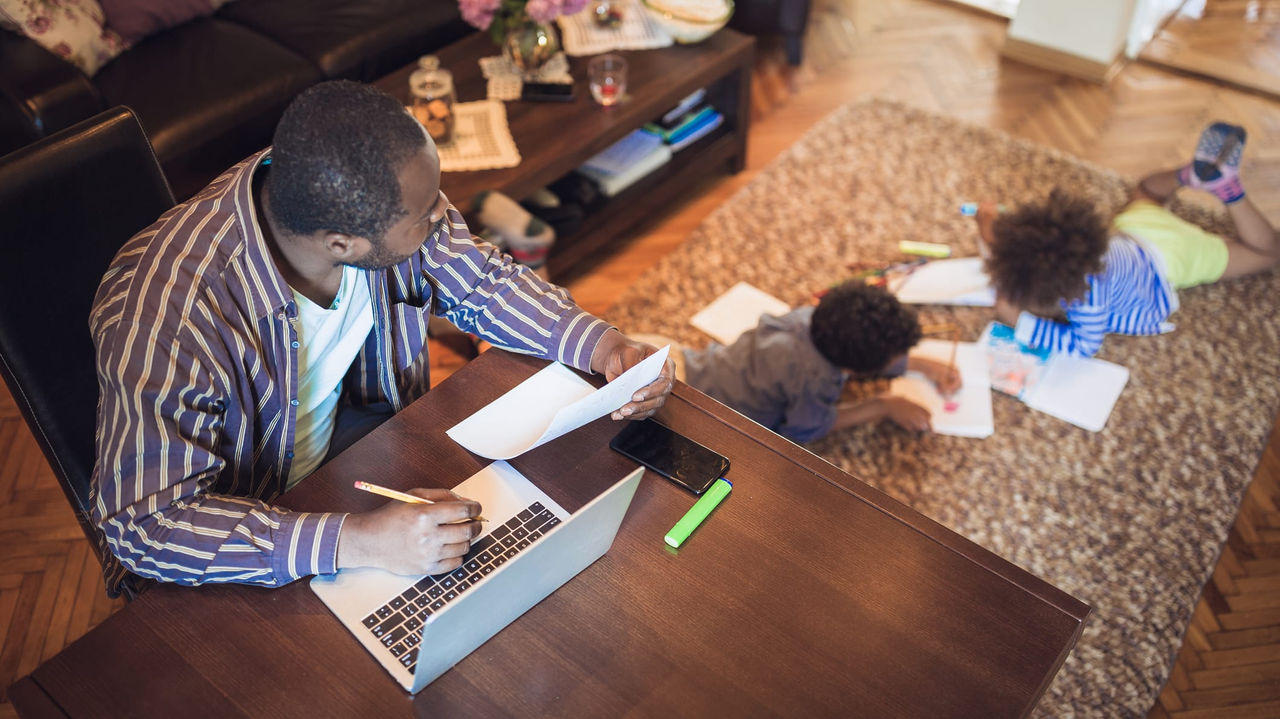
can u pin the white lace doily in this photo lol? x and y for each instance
(481, 138)
(581, 35)
(506, 80)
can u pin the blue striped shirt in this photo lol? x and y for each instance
(197, 360)
(1130, 296)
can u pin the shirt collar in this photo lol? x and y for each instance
(271, 293)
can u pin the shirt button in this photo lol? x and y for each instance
(295, 345)
(293, 402)
(288, 455)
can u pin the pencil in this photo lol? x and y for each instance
(951, 405)
(403, 497)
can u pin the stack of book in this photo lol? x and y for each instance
(687, 122)
(618, 166)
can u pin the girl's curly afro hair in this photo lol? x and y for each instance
(1042, 252)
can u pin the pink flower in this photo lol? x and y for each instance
(542, 10)
(478, 13)
(573, 7)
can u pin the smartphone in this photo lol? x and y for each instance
(670, 454)
(547, 92)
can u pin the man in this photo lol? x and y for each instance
(251, 331)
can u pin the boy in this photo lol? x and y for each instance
(789, 372)
(1064, 280)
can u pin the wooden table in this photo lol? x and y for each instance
(807, 593)
(554, 138)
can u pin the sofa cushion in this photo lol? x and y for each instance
(206, 84)
(353, 40)
(70, 29)
(136, 19)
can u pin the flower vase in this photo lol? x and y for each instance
(530, 45)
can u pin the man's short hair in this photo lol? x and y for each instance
(1042, 252)
(861, 328)
(335, 160)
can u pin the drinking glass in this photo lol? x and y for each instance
(607, 77)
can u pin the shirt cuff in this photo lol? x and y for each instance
(580, 339)
(310, 545)
(1025, 329)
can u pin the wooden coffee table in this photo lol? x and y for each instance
(554, 138)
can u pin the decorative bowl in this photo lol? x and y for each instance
(689, 21)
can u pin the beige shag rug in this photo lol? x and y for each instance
(1130, 519)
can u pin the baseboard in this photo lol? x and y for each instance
(1064, 62)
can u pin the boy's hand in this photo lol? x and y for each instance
(906, 414)
(945, 377)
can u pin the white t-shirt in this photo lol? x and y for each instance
(329, 340)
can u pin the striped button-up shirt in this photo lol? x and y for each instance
(197, 358)
(1129, 296)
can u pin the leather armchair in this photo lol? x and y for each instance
(68, 203)
(786, 17)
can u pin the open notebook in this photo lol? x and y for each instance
(960, 281)
(968, 412)
(1079, 390)
(736, 311)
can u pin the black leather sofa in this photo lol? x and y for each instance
(209, 92)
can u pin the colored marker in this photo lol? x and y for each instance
(927, 249)
(401, 496)
(969, 209)
(699, 512)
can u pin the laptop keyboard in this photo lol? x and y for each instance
(397, 623)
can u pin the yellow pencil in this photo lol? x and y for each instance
(951, 405)
(402, 496)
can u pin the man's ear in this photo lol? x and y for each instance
(345, 247)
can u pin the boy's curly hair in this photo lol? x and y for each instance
(1041, 253)
(861, 328)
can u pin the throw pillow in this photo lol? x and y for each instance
(136, 19)
(71, 29)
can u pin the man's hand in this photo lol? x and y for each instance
(411, 538)
(945, 377)
(616, 354)
(906, 414)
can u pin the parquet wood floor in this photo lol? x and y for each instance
(934, 55)
(1233, 41)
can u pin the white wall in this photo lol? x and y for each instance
(1093, 29)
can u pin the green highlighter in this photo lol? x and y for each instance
(699, 512)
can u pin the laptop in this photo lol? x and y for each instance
(419, 627)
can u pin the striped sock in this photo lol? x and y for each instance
(1216, 165)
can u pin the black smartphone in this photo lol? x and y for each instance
(547, 92)
(670, 454)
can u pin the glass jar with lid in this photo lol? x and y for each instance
(431, 88)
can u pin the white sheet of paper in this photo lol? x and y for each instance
(551, 403)
(960, 281)
(972, 416)
(1079, 390)
(736, 311)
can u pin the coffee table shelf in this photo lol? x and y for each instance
(555, 138)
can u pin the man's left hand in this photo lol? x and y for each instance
(616, 354)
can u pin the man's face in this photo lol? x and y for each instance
(425, 207)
